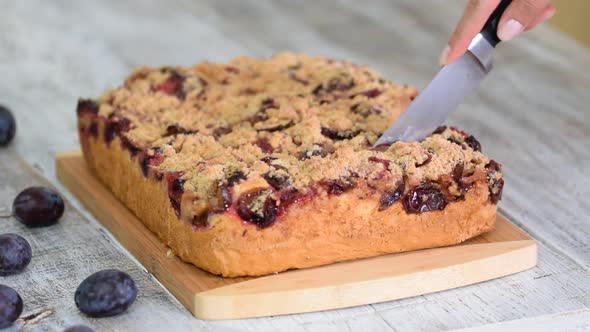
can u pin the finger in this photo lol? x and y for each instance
(518, 15)
(474, 17)
(548, 12)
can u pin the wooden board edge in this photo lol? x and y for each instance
(217, 304)
(509, 226)
(236, 301)
(75, 153)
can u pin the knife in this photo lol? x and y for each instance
(449, 87)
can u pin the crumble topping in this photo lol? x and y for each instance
(290, 122)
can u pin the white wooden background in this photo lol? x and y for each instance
(532, 114)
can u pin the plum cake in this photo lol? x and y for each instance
(263, 165)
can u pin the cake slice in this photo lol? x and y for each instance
(260, 166)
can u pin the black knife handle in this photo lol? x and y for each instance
(489, 30)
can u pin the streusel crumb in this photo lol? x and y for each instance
(291, 122)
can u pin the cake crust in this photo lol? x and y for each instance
(326, 230)
(298, 188)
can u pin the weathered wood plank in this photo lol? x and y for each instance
(68, 252)
(532, 115)
(571, 321)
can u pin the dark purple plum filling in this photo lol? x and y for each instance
(457, 130)
(146, 161)
(235, 178)
(114, 126)
(371, 93)
(87, 106)
(219, 204)
(366, 109)
(495, 185)
(297, 79)
(176, 129)
(496, 191)
(473, 143)
(278, 181)
(232, 70)
(267, 103)
(335, 84)
(220, 131)
(261, 115)
(258, 207)
(493, 166)
(248, 92)
(339, 135)
(313, 151)
(173, 85)
(469, 140)
(378, 160)
(264, 145)
(268, 160)
(289, 196)
(424, 198)
(224, 196)
(426, 161)
(278, 127)
(439, 130)
(258, 117)
(130, 146)
(175, 189)
(385, 164)
(381, 147)
(390, 197)
(339, 186)
(93, 129)
(458, 172)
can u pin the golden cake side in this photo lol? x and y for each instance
(322, 231)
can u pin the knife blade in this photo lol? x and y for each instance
(449, 87)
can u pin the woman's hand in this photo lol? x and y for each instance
(520, 15)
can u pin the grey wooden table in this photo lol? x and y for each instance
(532, 114)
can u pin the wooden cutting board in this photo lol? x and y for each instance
(505, 250)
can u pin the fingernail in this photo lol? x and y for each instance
(548, 14)
(509, 30)
(442, 59)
